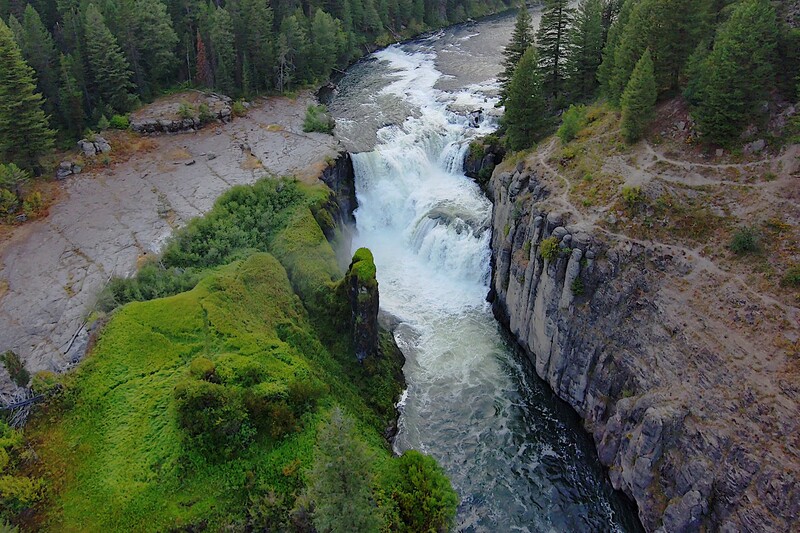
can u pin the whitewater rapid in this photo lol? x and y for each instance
(514, 454)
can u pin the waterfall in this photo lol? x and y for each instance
(515, 464)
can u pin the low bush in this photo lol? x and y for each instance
(185, 110)
(16, 368)
(573, 120)
(103, 124)
(792, 277)
(632, 196)
(239, 109)
(318, 119)
(152, 281)
(120, 122)
(745, 241)
(549, 248)
(206, 115)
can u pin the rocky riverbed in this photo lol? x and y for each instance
(109, 220)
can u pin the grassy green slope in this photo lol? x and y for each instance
(114, 449)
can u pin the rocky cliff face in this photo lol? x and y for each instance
(683, 429)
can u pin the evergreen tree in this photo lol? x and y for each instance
(525, 114)
(24, 135)
(586, 49)
(325, 44)
(293, 46)
(671, 29)
(156, 43)
(521, 40)
(224, 54)
(639, 99)
(552, 42)
(339, 481)
(39, 52)
(107, 65)
(607, 68)
(70, 96)
(259, 42)
(738, 72)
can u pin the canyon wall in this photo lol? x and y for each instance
(679, 417)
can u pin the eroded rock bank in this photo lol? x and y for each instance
(673, 407)
(112, 219)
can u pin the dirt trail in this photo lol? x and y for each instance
(52, 269)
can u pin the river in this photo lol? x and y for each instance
(517, 455)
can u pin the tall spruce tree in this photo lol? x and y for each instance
(39, 52)
(292, 52)
(156, 43)
(607, 68)
(24, 135)
(339, 480)
(224, 54)
(671, 29)
(552, 42)
(326, 41)
(738, 72)
(108, 67)
(521, 40)
(639, 99)
(70, 96)
(259, 43)
(586, 49)
(525, 114)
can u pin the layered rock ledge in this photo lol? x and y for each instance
(700, 429)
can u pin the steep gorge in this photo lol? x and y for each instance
(700, 430)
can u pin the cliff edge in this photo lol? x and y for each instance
(681, 357)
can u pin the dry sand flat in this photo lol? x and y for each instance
(52, 269)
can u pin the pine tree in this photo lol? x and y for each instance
(40, 53)
(639, 99)
(24, 135)
(339, 481)
(552, 42)
(525, 114)
(292, 51)
(107, 65)
(738, 72)
(156, 43)
(325, 44)
(671, 29)
(586, 49)
(70, 96)
(202, 76)
(259, 43)
(607, 68)
(224, 54)
(521, 40)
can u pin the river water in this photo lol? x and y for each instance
(516, 454)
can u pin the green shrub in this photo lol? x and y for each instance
(206, 115)
(745, 241)
(421, 492)
(33, 204)
(304, 394)
(152, 281)
(16, 368)
(8, 204)
(213, 416)
(45, 382)
(549, 248)
(632, 196)
(103, 123)
(203, 368)
(792, 277)
(577, 287)
(239, 109)
(318, 119)
(573, 120)
(120, 122)
(185, 110)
